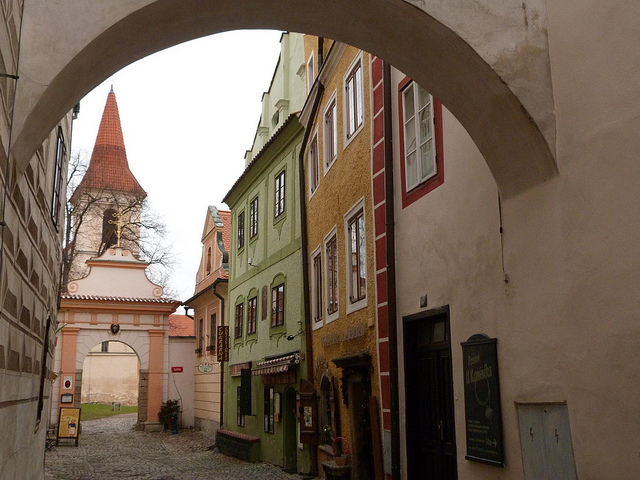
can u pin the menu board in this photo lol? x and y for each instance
(69, 423)
(483, 416)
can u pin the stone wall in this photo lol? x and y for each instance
(29, 258)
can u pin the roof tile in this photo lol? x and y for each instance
(109, 168)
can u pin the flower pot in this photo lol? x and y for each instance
(341, 460)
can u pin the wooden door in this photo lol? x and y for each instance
(431, 445)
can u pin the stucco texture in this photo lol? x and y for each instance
(340, 188)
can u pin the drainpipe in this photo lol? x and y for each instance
(320, 52)
(391, 273)
(305, 255)
(221, 280)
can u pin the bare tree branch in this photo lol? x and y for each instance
(86, 234)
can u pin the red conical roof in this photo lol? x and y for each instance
(109, 168)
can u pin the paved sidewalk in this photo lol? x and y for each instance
(110, 449)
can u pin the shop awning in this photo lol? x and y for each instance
(276, 365)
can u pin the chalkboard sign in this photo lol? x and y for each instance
(483, 416)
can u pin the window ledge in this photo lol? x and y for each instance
(359, 305)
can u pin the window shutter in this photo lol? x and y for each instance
(245, 391)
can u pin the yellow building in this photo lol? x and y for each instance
(341, 254)
(208, 303)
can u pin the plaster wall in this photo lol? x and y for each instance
(276, 257)
(286, 92)
(123, 276)
(181, 384)
(111, 376)
(207, 385)
(557, 290)
(29, 278)
(346, 182)
(88, 240)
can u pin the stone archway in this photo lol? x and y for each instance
(475, 58)
(77, 340)
(111, 375)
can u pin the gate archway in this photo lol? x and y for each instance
(470, 58)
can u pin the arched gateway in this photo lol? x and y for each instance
(116, 301)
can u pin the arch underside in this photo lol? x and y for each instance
(514, 131)
(138, 341)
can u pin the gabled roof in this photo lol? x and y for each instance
(109, 167)
(225, 215)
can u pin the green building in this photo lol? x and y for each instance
(265, 302)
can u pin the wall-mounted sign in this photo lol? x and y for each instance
(307, 403)
(66, 398)
(236, 369)
(67, 382)
(205, 367)
(69, 423)
(483, 415)
(222, 343)
(176, 369)
(356, 331)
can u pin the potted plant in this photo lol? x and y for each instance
(340, 455)
(167, 412)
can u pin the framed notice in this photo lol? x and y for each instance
(483, 416)
(69, 424)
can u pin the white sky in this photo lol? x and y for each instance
(188, 115)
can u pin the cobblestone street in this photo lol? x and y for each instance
(110, 449)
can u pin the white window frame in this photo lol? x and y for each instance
(362, 303)
(333, 316)
(316, 289)
(357, 61)
(310, 158)
(420, 178)
(310, 72)
(332, 104)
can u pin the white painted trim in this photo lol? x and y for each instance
(360, 304)
(314, 137)
(316, 325)
(333, 232)
(309, 79)
(327, 165)
(348, 140)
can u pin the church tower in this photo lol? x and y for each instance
(107, 204)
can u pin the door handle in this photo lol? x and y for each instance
(441, 430)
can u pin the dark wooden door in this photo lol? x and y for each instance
(431, 443)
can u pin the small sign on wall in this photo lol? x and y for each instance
(176, 369)
(67, 382)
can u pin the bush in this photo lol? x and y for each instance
(167, 409)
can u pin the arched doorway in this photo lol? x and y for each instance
(474, 72)
(111, 375)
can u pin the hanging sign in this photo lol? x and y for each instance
(222, 343)
(483, 416)
(69, 423)
(205, 367)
